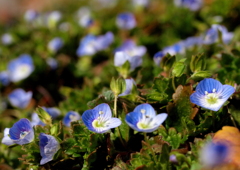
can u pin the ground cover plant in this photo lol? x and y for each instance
(121, 85)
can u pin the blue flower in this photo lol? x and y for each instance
(157, 58)
(30, 15)
(6, 139)
(52, 111)
(4, 78)
(20, 68)
(193, 5)
(53, 64)
(48, 147)
(103, 41)
(99, 119)
(70, 117)
(19, 98)
(36, 120)
(130, 47)
(211, 94)
(130, 83)
(87, 46)
(129, 52)
(193, 41)
(53, 18)
(91, 44)
(140, 3)
(126, 21)
(213, 154)
(7, 39)
(177, 48)
(84, 17)
(212, 34)
(55, 44)
(21, 132)
(144, 118)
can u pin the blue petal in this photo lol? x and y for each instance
(48, 147)
(149, 111)
(227, 91)
(105, 109)
(208, 84)
(213, 154)
(67, 120)
(120, 58)
(52, 111)
(132, 119)
(129, 85)
(114, 122)
(88, 117)
(19, 98)
(6, 139)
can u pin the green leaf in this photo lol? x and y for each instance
(179, 68)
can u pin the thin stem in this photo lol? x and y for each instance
(173, 83)
(149, 146)
(115, 115)
(115, 105)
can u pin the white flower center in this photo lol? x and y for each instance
(146, 122)
(73, 118)
(100, 122)
(24, 69)
(212, 98)
(23, 134)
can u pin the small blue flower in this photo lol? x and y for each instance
(174, 49)
(126, 21)
(99, 119)
(19, 98)
(7, 39)
(6, 139)
(48, 147)
(144, 118)
(121, 57)
(211, 94)
(4, 78)
(20, 68)
(130, 47)
(212, 34)
(129, 52)
(53, 18)
(91, 44)
(193, 41)
(36, 120)
(193, 5)
(53, 64)
(84, 17)
(70, 117)
(103, 41)
(140, 3)
(22, 132)
(87, 46)
(158, 57)
(130, 83)
(30, 15)
(52, 111)
(55, 44)
(213, 154)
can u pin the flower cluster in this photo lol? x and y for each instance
(91, 44)
(209, 37)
